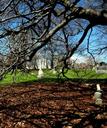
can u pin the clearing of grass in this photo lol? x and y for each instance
(50, 76)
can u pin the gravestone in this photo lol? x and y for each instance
(40, 74)
(98, 95)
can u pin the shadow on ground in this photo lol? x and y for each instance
(51, 105)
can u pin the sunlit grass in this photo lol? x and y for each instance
(49, 76)
(85, 74)
(19, 77)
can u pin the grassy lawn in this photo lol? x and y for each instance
(85, 74)
(49, 76)
(20, 77)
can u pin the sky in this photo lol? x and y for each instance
(96, 40)
(79, 59)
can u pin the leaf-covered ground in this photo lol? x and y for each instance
(52, 105)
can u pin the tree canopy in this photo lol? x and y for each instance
(45, 21)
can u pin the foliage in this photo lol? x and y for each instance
(32, 25)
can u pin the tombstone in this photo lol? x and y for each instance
(98, 87)
(40, 74)
(99, 102)
(98, 95)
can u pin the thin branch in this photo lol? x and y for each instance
(88, 44)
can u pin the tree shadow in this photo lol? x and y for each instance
(43, 105)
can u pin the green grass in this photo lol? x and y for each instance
(85, 74)
(49, 76)
(20, 77)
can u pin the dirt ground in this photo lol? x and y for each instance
(52, 105)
